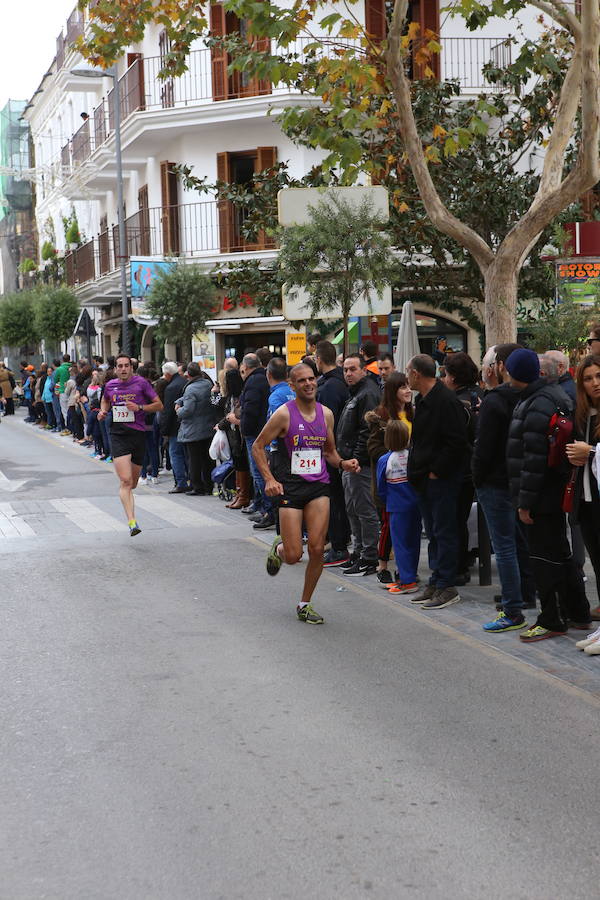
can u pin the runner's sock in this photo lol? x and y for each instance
(132, 522)
(301, 605)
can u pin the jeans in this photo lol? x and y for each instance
(339, 527)
(105, 434)
(60, 422)
(438, 502)
(261, 501)
(50, 414)
(500, 517)
(362, 513)
(178, 462)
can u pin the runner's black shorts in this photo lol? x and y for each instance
(128, 442)
(296, 494)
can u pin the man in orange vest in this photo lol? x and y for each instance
(368, 351)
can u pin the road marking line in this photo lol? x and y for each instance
(86, 516)
(6, 485)
(171, 512)
(11, 524)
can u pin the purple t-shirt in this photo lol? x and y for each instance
(136, 389)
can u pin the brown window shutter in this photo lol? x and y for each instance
(144, 221)
(170, 212)
(266, 158)
(263, 45)
(218, 55)
(375, 19)
(224, 207)
(427, 14)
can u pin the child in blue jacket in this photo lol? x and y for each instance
(401, 503)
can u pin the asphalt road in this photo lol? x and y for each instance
(170, 730)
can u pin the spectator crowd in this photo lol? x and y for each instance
(520, 437)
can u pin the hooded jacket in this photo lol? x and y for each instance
(533, 485)
(196, 413)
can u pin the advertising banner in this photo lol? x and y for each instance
(579, 281)
(142, 274)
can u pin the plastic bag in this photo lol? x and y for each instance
(219, 448)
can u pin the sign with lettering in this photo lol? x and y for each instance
(295, 342)
(579, 280)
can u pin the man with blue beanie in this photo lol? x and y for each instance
(536, 491)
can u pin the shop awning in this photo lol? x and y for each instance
(352, 334)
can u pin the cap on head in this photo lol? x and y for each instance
(523, 365)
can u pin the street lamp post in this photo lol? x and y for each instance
(112, 73)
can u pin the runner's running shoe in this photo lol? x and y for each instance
(273, 559)
(134, 528)
(307, 614)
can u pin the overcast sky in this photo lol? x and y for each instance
(29, 32)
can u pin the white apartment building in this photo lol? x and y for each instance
(220, 125)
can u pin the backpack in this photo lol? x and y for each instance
(560, 433)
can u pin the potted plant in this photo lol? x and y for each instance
(27, 266)
(48, 251)
(72, 235)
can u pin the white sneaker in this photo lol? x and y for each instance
(151, 480)
(143, 481)
(593, 649)
(592, 638)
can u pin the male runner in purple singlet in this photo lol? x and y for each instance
(298, 476)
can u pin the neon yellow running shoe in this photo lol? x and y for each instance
(307, 614)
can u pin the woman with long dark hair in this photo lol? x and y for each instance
(396, 405)
(581, 453)
(230, 424)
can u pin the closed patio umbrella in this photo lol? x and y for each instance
(407, 344)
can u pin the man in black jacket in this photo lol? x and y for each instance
(488, 465)
(169, 425)
(332, 391)
(438, 460)
(536, 491)
(351, 438)
(254, 403)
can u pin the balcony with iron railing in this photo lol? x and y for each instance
(462, 60)
(190, 230)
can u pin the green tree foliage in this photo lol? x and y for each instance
(182, 298)
(340, 256)
(562, 326)
(56, 313)
(18, 327)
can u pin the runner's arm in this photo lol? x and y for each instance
(330, 453)
(155, 406)
(104, 407)
(276, 427)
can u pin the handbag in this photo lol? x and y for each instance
(569, 493)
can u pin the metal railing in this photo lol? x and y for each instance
(187, 230)
(463, 60)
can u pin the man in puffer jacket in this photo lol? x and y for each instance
(536, 491)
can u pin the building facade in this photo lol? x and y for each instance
(222, 126)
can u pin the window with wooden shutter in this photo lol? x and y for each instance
(266, 158)
(133, 95)
(218, 56)
(427, 14)
(375, 19)
(240, 168)
(224, 207)
(170, 209)
(103, 246)
(143, 240)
